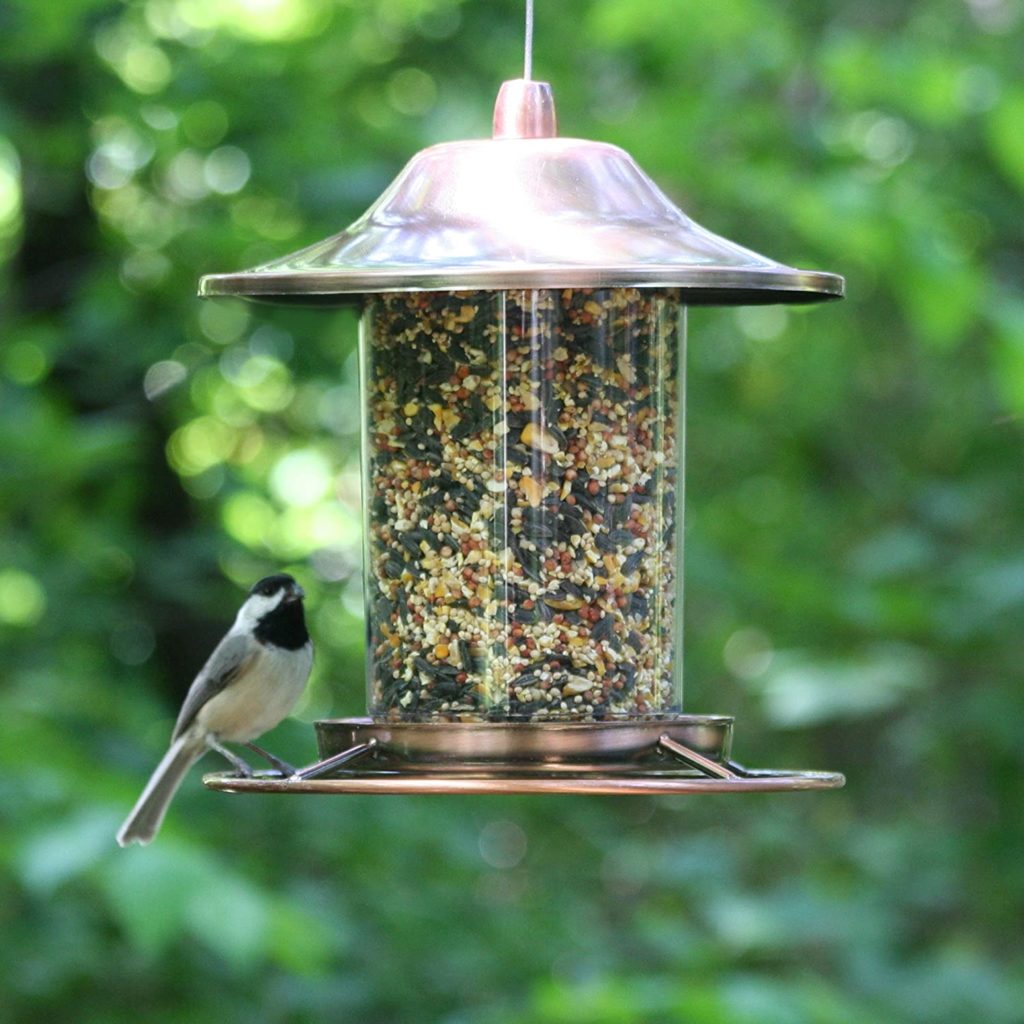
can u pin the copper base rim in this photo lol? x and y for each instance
(665, 754)
(754, 781)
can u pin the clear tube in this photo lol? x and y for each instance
(522, 453)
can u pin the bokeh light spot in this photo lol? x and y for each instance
(132, 643)
(161, 377)
(301, 478)
(762, 323)
(121, 152)
(198, 445)
(502, 844)
(205, 123)
(256, 19)
(227, 170)
(25, 363)
(144, 269)
(265, 384)
(159, 117)
(439, 22)
(184, 177)
(412, 92)
(145, 69)
(22, 598)
(10, 188)
(223, 321)
(248, 518)
(748, 653)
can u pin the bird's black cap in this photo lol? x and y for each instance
(270, 585)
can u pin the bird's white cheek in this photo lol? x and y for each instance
(255, 607)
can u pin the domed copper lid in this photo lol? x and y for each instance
(525, 209)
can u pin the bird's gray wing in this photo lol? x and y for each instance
(230, 657)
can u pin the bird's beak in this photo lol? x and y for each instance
(295, 593)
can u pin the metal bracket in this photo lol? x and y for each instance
(713, 769)
(705, 765)
(319, 768)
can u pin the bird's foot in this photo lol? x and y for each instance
(240, 766)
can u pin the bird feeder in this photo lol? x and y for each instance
(522, 341)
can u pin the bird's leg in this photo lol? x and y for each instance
(236, 762)
(275, 762)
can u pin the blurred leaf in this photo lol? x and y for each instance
(799, 691)
(231, 916)
(1005, 136)
(50, 858)
(162, 892)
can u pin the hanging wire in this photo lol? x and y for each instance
(528, 54)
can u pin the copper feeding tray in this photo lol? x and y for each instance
(670, 754)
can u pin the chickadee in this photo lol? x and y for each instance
(250, 682)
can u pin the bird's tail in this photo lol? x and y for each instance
(148, 813)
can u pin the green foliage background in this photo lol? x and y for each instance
(855, 553)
